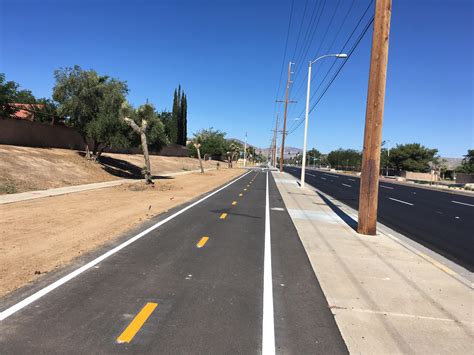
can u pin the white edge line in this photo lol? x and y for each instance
(37, 295)
(406, 203)
(347, 185)
(268, 325)
(386, 187)
(463, 203)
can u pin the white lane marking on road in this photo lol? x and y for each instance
(457, 217)
(323, 178)
(268, 325)
(406, 203)
(352, 179)
(37, 295)
(463, 203)
(334, 176)
(347, 185)
(277, 209)
(386, 187)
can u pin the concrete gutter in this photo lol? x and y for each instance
(386, 297)
(31, 195)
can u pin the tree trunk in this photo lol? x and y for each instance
(86, 145)
(99, 153)
(142, 132)
(94, 148)
(200, 161)
(147, 172)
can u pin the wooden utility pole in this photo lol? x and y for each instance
(275, 139)
(283, 135)
(369, 179)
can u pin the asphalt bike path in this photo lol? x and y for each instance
(195, 284)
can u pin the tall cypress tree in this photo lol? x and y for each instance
(174, 118)
(179, 118)
(184, 119)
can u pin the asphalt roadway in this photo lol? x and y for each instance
(197, 279)
(441, 221)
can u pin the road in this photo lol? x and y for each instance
(198, 280)
(441, 221)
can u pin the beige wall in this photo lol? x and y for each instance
(410, 175)
(43, 135)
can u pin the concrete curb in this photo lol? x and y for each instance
(32, 195)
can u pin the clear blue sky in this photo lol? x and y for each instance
(227, 55)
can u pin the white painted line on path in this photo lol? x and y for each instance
(323, 178)
(352, 179)
(37, 295)
(268, 325)
(347, 185)
(406, 203)
(463, 203)
(277, 209)
(386, 187)
(334, 176)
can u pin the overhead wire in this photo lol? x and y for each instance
(350, 52)
(283, 61)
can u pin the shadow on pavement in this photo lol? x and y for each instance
(344, 216)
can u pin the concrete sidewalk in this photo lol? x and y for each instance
(386, 298)
(31, 195)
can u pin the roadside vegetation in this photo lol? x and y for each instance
(96, 106)
(408, 157)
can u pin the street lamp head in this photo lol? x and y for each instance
(341, 55)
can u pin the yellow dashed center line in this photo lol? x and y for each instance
(240, 195)
(202, 242)
(137, 323)
(245, 189)
(223, 216)
(234, 203)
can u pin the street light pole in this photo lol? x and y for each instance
(245, 150)
(303, 168)
(388, 156)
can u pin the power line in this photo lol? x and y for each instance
(283, 60)
(284, 53)
(338, 71)
(299, 32)
(298, 92)
(308, 44)
(334, 62)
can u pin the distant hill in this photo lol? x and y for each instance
(452, 163)
(289, 151)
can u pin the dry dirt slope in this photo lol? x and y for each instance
(41, 235)
(25, 169)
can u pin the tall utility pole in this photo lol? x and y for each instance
(369, 179)
(288, 82)
(274, 142)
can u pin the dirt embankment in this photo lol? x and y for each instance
(40, 235)
(26, 169)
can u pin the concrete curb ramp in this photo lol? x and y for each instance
(385, 297)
